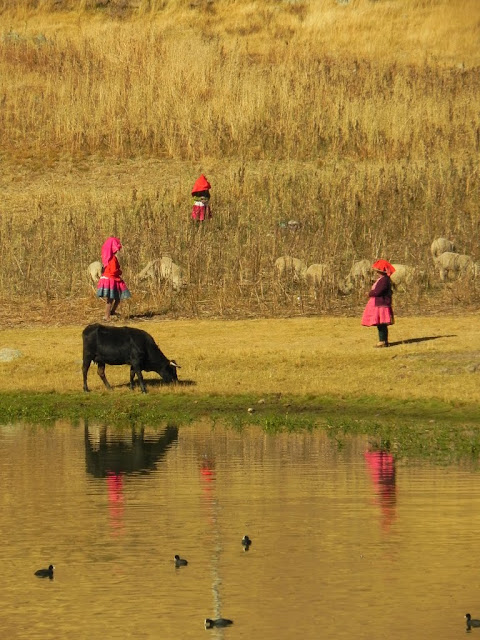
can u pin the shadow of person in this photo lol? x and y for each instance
(423, 339)
(145, 315)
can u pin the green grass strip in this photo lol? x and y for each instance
(439, 431)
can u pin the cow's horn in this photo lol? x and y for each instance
(174, 364)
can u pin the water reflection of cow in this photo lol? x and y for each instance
(116, 456)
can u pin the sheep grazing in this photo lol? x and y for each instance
(94, 270)
(359, 275)
(441, 245)
(318, 273)
(403, 274)
(451, 265)
(172, 273)
(164, 269)
(286, 265)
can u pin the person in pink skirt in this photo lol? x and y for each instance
(201, 199)
(111, 286)
(378, 311)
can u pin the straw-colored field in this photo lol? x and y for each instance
(430, 357)
(358, 120)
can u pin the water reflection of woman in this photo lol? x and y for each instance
(381, 465)
(116, 500)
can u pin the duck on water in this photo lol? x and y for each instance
(45, 573)
(219, 622)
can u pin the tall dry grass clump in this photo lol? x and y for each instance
(369, 137)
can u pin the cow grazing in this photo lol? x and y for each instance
(124, 345)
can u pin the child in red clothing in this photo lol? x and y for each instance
(378, 311)
(111, 286)
(201, 199)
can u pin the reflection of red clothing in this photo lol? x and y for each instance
(382, 471)
(115, 487)
(115, 498)
(208, 471)
(207, 476)
(112, 270)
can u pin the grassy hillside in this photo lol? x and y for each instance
(360, 121)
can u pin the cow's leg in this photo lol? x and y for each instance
(85, 368)
(138, 371)
(101, 373)
(132, 378)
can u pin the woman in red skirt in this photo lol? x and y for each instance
(378, 311)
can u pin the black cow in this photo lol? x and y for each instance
(124, 345)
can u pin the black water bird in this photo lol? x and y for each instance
(219, 622)
(180, 562)
(45, 573)
(471, 622)
(246, 542)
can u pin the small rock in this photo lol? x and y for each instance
(261, 401)
(7, 355)
(251, 410)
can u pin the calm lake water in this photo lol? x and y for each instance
(347, 543)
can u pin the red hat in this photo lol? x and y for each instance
(384, 266)
(202, 184)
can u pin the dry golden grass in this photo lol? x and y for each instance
(302, 356)
(360, 121)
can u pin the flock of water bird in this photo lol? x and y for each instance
(211, 623)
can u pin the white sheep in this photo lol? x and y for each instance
(404, 274)
(164, 269)
(451, 264)
(441, 245)
(94, 270)
(318, 273)
(359, 274)
(294, 266)
(172, 273)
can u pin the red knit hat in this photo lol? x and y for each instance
(202, 184)
(384, 266)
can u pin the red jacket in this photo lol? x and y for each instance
(112, 270)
